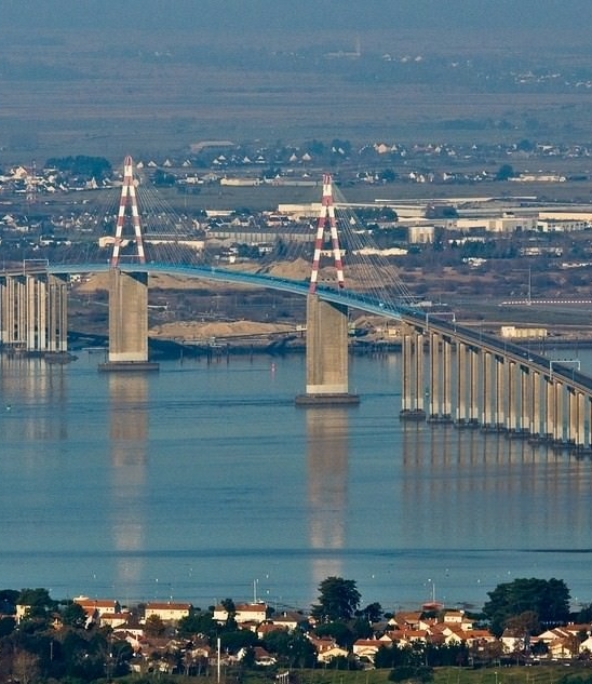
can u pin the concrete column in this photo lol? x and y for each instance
(20, 299)
(581, 440)
(588, 410)
(435, 367)
(419, 372)
(128, 321)
(511, 396)
(35, 312)
(461, 383)
(549, 426)
(447, 378)
(57, 315)
(486, 391)
(535, 402)
(326, 354)
(408, 369)
(558, 399)
(525, 400)
(412, 395)
(574, 421)
(6, 306)
(500, 392)
(474, 366)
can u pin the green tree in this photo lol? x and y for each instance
(338, 600)
(39, 603)
(523, 624)
(234, 640)
(230, 608)
(7, 626)
(198, 622)
(372, 612)
(292, 649)
(505, 172)
(342, 634)
(549, 599)
(8, 600)
(154, 626)
(73, 615)
(82, 165)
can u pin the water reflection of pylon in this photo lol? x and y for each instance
(129, 434)
(327, 433)
(128, 197)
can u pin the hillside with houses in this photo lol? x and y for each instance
(90, 638)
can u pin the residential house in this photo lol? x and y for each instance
(244, 613)
(95, 608)
(114, 620)
(512, 641)
(167, 612)
(367, 648)
(406, 620)
(330, 654)
(288, 620)
(458, 617)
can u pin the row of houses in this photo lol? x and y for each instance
(403, 629)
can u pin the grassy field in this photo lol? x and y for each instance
(540, 674)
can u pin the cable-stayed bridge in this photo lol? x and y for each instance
(451, 373)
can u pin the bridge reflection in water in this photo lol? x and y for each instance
(327, 469)
(128, 436)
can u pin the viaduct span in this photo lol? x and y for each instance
(450, 373)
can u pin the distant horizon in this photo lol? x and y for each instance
(37, 15)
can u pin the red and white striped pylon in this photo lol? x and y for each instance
(128, 195)
(327, 213)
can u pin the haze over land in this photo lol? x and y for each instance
(153, 76)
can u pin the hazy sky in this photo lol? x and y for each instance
(297, 14)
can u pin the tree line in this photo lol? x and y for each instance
(55, 640)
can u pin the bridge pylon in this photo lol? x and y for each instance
(128, 289)
(326, 322)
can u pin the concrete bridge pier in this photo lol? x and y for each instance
(500, 394)
(536, 430)
(33, 313)
(462, 408)
(525, 401)
(57, 314)
(575, 421)
(549, 420)
(487, 385)
(440, 404)
(412, 406)
(447, 379)
(558, 400)
(326, 355)
(474, 368)
(14, 312)
(7, 310)
(35, 319)
(128, 322)
(512, 398)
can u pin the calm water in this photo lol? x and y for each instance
(205, 481)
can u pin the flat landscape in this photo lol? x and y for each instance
(148, 93)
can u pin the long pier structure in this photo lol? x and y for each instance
(450, 373)
(454, 374)
(33, 311)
